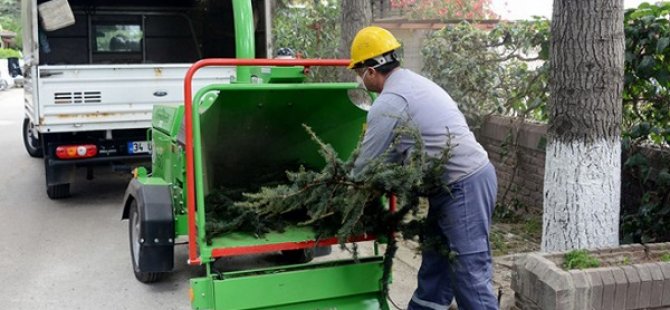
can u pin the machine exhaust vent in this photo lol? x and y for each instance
(78, 97)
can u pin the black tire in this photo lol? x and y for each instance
(58, 191)
(134, 228)
(298, 256)
(31, 143)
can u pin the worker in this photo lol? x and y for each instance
(118, 43)
(459, 216)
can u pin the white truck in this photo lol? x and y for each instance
(90, 86)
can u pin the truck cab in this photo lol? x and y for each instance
(92, 80)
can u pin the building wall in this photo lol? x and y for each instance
(412, 42)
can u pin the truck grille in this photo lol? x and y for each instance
(78, 97)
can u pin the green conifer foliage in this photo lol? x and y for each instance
(336, 202)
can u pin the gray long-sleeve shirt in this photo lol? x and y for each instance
(415, 100)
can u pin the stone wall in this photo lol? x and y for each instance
(527, 179)
(632, 277)
(518, 185)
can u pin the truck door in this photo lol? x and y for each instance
(30, 58)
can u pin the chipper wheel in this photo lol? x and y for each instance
(134, 229)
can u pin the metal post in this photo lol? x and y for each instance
(244, 37)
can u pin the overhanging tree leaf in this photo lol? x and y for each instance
(662, 44)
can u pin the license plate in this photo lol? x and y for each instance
(139, 147)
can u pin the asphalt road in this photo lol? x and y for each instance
(73, 253)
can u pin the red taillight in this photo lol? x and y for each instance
(76, 151)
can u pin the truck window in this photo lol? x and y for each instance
(146, 31)
(118, 38)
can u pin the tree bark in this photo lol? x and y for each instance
(583, 159)
(354, 15)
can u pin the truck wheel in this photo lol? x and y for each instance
(298, 256)
(134, 229)
(31, 142)
(58, 191)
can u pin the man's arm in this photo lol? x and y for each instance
(386, 112)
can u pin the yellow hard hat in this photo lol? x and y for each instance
(371, 42)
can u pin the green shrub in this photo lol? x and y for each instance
(646, 115)
(502, 71)
(8, 52)
(498, 245)
(580, 259)
(312, 31)
(533, 227)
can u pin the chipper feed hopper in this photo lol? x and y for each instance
(229, 135)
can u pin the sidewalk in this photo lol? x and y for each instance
(407, 265)
(508, 242)
(407, 262)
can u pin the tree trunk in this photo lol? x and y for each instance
(582, 179)
(354, 16)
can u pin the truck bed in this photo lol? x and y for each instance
(109, 97)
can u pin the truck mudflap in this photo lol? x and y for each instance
(155, 252)
(341, 285)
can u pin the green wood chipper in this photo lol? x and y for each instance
(230, 134)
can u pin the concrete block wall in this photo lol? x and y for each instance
(528, 180)
(540, 283)
(528, 183)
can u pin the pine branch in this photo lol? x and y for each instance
(335, 202)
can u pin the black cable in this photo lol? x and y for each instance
(394, 304)
(500, 293)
